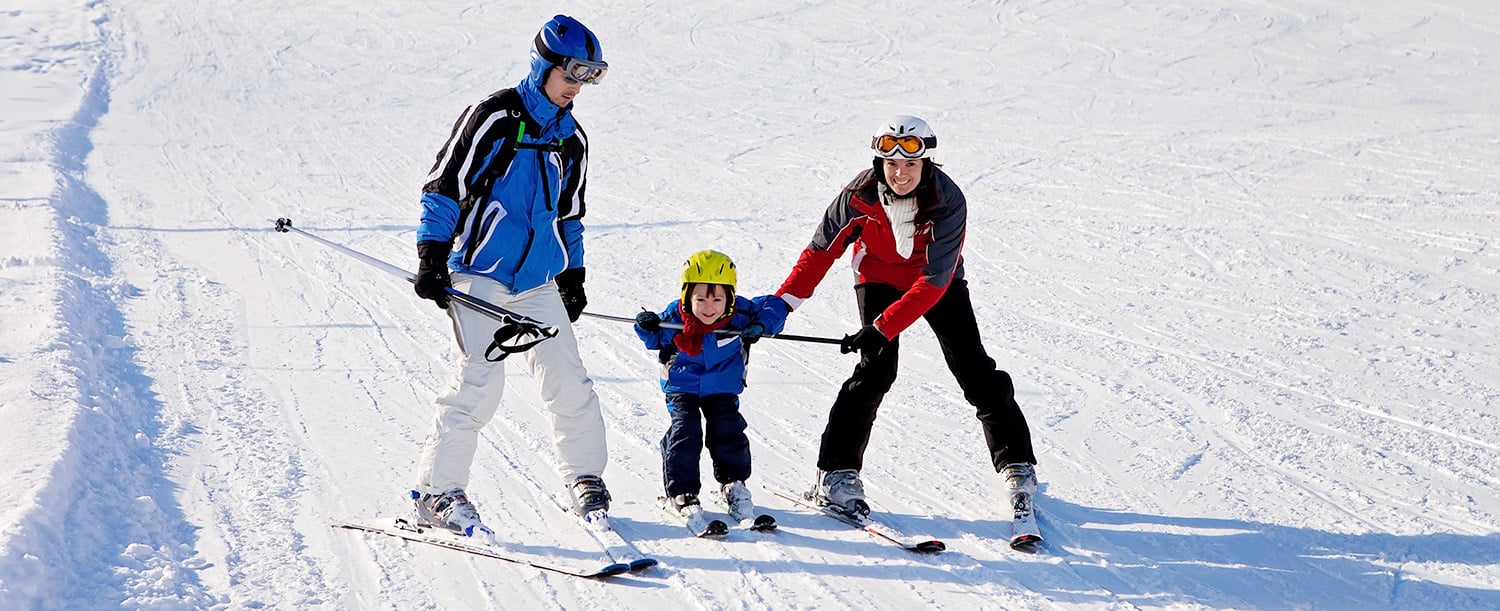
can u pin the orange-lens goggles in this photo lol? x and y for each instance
(906, 146)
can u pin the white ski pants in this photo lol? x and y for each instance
(474, 393)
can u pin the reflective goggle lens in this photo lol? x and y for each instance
(584, 72)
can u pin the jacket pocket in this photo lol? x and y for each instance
(499, 240)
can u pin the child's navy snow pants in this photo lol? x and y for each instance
(713, 421)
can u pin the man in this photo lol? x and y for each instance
(501, 209)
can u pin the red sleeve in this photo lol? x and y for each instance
(912, 305)
(838, 229)
(809, 271)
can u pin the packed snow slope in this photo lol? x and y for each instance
(1240, 259)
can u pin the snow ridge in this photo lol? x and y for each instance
(100, 527)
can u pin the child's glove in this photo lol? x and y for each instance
(648, 321)
(752, 332)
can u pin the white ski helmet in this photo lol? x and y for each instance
(903, 136)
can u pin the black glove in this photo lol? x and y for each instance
(432, 272)
(648, 321)
(866, 339)
(752, 332)
(570, 287)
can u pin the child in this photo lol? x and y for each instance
(704, 373)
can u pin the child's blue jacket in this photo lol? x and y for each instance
(720, 367)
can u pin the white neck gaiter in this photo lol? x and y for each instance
(903, 212)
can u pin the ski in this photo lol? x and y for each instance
(1024, 534)
(696, 521)
(870, 525)
(753, 521)
(762, 523)
(440, 537)
(596, 524)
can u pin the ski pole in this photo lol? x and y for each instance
(512, 325)
(674, 325)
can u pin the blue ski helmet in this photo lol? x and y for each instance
(566, 43)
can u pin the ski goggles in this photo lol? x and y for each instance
(910, 147)
(583, 71)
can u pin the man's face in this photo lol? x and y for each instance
(559, 88)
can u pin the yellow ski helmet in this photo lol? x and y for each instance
(708, 267)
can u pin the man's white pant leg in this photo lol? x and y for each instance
(472, 396)
(567, 391)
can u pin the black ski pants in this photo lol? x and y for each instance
(682, 446)
(988, 389)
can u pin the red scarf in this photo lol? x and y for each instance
(690, 340)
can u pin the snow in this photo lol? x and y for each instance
(1239, 258)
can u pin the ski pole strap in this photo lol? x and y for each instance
(516, 335)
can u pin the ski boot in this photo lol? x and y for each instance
(1020, 479)
(686, 504)
(843, 491)
(737, 499)
(451, 510)
(589, 495)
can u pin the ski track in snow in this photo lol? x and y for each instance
(1239, 260)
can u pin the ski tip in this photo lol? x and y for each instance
(929, 547)
(1030, 544)
(613, 569)
(641, 564)
(716, 528)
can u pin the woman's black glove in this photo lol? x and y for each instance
(866, 339)
(570, 288)
(433, 281)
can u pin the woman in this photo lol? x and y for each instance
(906, 220)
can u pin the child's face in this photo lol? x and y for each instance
(707, 301)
